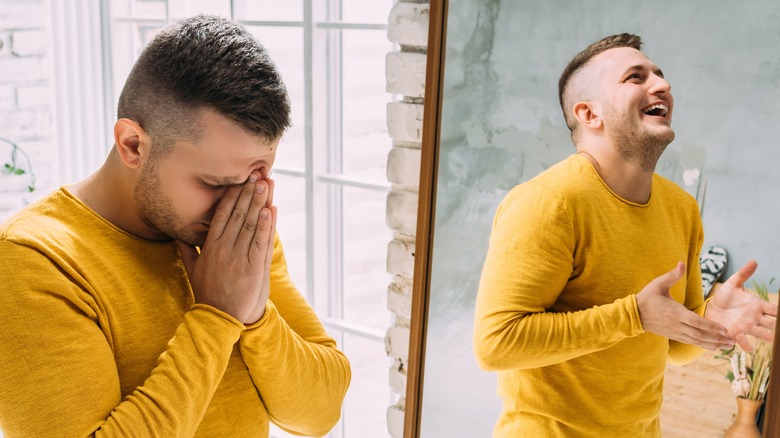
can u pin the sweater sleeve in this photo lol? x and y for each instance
(528, 264)
(300, 375)
(57, 369)
(681, 353)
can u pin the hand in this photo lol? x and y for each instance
(742, 312)
(232, 269)
(662, 315)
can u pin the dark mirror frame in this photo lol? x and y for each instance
(426, 215)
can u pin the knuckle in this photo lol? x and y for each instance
(221, 214)
(249, 226)
(238, 214)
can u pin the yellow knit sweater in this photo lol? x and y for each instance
(100, 337)
(556, 311)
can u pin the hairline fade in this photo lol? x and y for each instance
(204, 62)
(580, 60)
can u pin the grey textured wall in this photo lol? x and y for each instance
(502, 125)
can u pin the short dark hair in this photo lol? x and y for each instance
(204, 62)
(582, 58)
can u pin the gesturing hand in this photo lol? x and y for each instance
(233, 269)
(742, 312)
(662, 315)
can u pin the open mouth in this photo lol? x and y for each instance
(658, 110)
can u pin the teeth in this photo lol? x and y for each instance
(658, 106)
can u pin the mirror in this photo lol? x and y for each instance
(492, 121)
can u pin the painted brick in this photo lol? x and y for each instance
(5, 44)
(397, 343)
(25, 124)
(38, 150)
(400, 258)
(402, 211)
(405, 121)
(22, 15)
(403, 166)
(33, 95)
(399, 297)
(405, 73)
(397, 380)
(29, 42)
(408, 24)
(395, 420)
(27, 69)
(7, 97)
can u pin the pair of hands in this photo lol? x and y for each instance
(232, 272)
(731, 315)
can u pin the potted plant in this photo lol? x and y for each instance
(12, 174)
(749, 377)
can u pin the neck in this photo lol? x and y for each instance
(109, 193)
(627, 180)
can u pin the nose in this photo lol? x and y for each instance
(660, 85)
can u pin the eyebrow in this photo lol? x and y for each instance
(657, 71)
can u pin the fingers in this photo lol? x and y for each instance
(271, 185)
(769, 309)
(222, 214)
(740, 277)
(250, 225)
(240, 216)
(744, 343)
(188, 255)
(262, 241)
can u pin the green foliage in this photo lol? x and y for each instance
(13, 168)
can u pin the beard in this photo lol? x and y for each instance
(156, 209)
(636, 144)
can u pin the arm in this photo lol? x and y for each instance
(528, 264)
(57, 369)
(300, 375)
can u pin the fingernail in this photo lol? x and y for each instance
(252, 177)
(260, 188)
(264, 213)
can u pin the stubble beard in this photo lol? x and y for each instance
(637, 145)
(156, 210)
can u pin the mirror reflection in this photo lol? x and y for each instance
(502, 125)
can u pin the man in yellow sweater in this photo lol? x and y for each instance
(152, 299)
(576, 310)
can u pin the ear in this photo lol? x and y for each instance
(587, 114)
(132, 143)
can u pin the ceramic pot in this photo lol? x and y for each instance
(744, 426)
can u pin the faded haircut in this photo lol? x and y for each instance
(204, 62)
(567, 95)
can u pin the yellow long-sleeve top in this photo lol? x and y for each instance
(100, 337)
(556, 311)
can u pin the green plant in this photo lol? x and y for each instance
(12, 168)
(749, 374)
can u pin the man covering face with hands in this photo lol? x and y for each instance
(153, 298)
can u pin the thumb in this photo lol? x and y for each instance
(188, 255)
(740, 277)
(670, 278)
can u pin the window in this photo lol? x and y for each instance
(330, 171)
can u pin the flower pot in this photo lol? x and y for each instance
(744, 425)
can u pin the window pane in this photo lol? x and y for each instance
(128, 39)
(179, 9)
(269, 10)
(290, 200)
(285, 46)
(366, 142)
(365, 252)
(139, 8)
(362, 11)
(365, 407)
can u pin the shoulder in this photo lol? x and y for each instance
(41, 221)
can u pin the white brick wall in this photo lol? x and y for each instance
(405, 71)
(26, 102)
